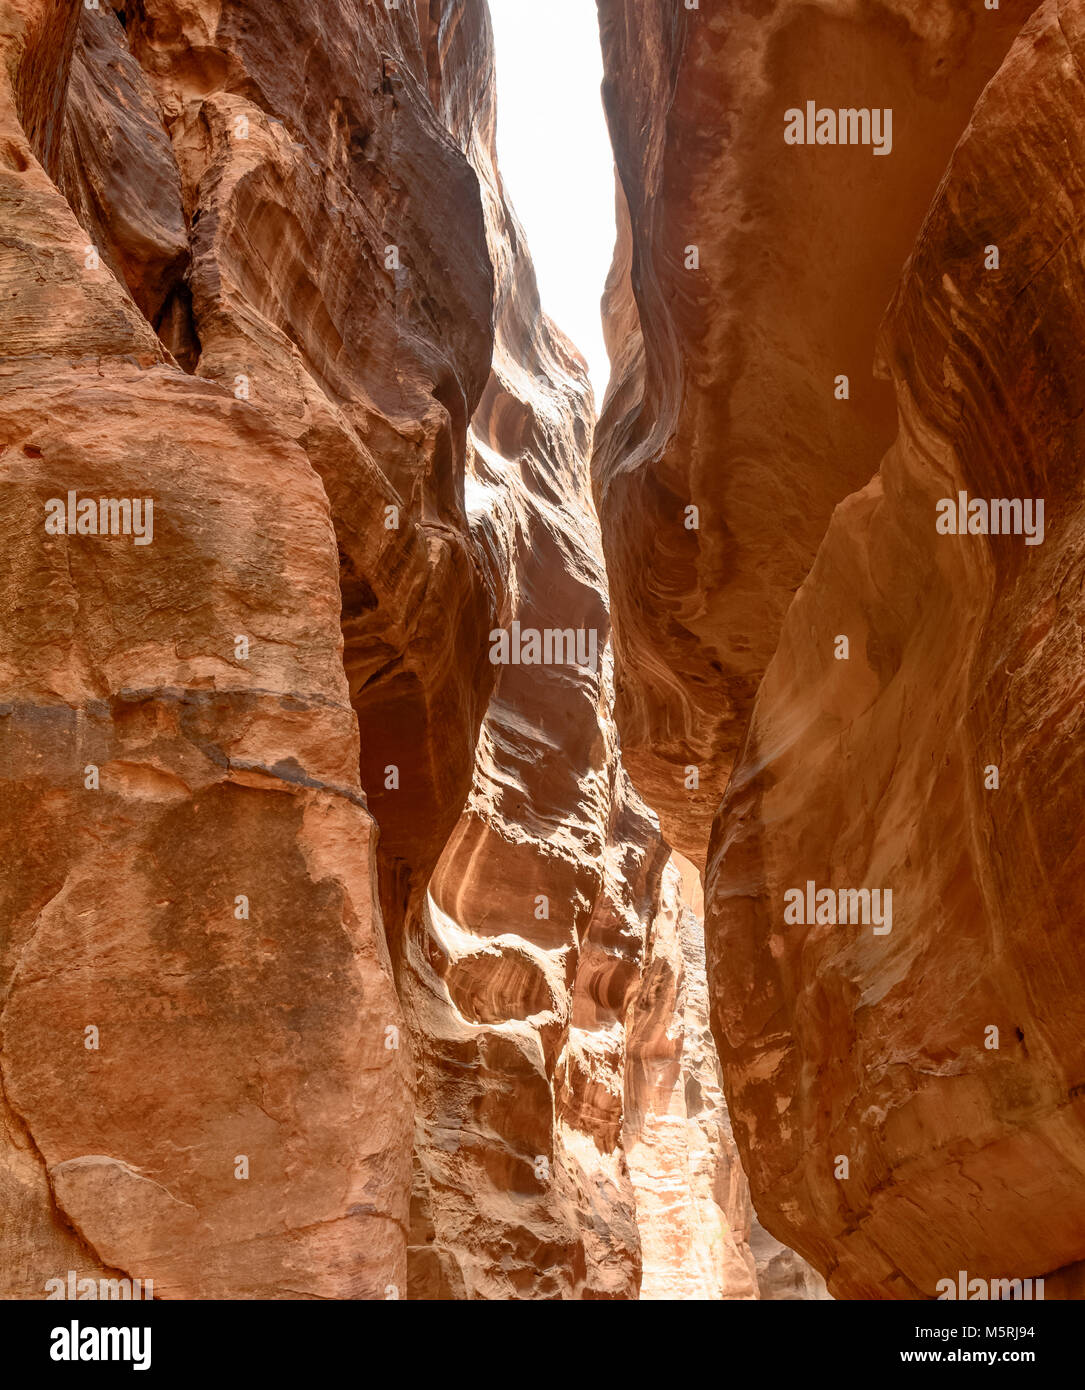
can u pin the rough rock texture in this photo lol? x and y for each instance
(547, 927)
(280, 828)
(319, 288)
(152, 779)
(118, 171)
(873, 771)
(964, 656)
(692, 1199)
(723, 394)
(700, 1236)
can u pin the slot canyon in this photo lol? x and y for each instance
(421, 780)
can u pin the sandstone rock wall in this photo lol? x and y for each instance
(724, 394)
(907, 1104)
(194, 972)
(547, 918)
(964, 1144)
(335, 959)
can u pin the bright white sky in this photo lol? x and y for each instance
(556, 160)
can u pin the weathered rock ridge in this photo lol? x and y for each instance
(336, 961)
(907, 1103)
(750, 276)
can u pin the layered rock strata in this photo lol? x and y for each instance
(547, 921)
(749, 282)
(897, 699)
(337, 960)
(700, 1236)
(912, 1103)
(196, 988)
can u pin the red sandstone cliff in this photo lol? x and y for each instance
(941, 1060)
(338, 959)
(281, 1016)
(724, 394)
(963, 1143)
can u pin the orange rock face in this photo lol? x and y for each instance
(196, 987)
(543, 973)
(898, 700)
(700, 1236)
(939, 762)
(338, 959)
(750, 278)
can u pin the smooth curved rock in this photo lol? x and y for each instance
(942, 1059)
(118, 171)
(294, 860)
(723, 397)
(529, 943)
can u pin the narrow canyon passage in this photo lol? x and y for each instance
(372, 713)
(850, 256)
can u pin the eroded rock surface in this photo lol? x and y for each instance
(293, 860)
(750, 277)
(724, 393)
(547, 925)
(693, 1202)
(943, 1060)
(194, 972)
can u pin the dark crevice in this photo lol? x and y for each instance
(176, 327)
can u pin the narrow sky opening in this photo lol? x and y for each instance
(555, 157)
